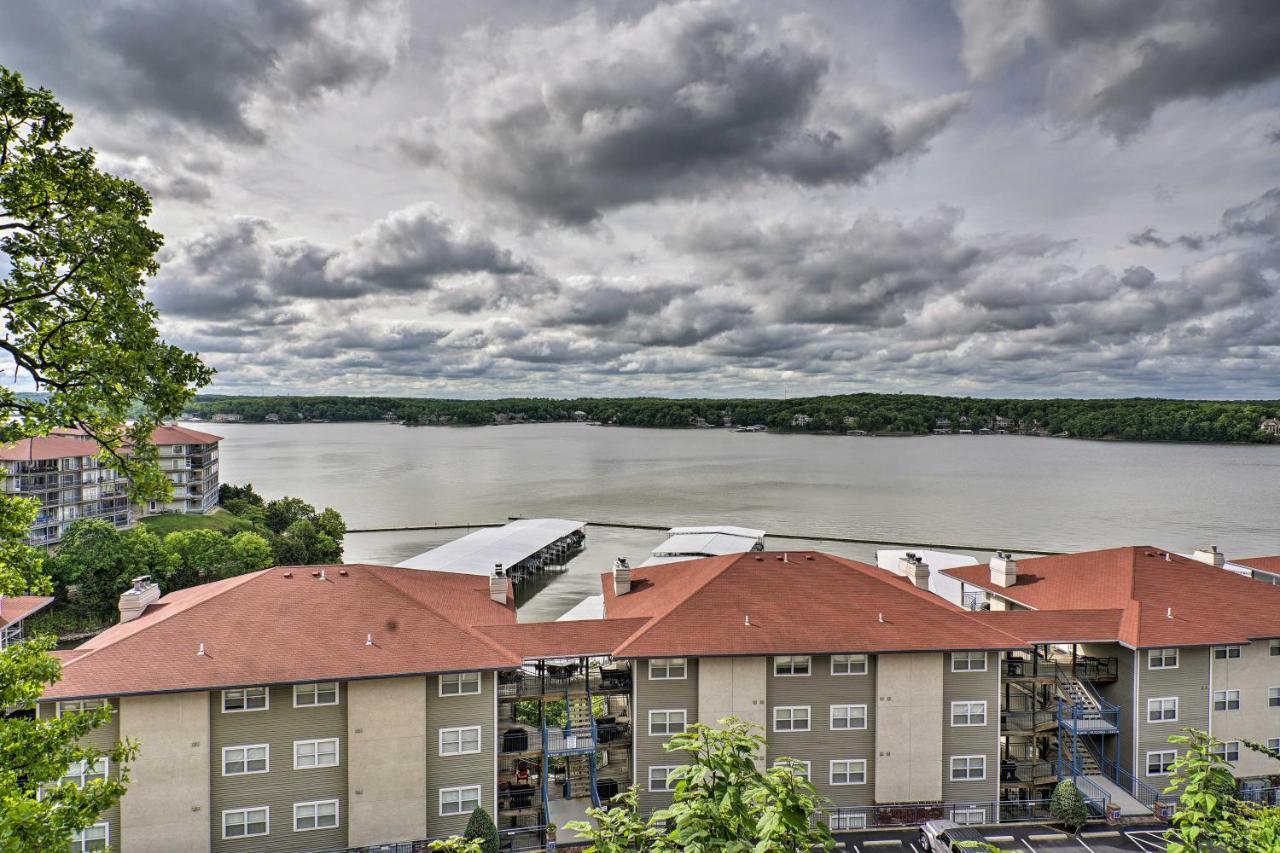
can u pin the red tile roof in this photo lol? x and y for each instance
(16, 607)
(1056, 626)
(1166, 599)
(576, 638)
(811, 603)
(174, 434)
(69, 442)
(285, 625)
(1266, 564)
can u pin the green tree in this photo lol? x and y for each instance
(201, 555)
(303, 544)
(1209, 815)
(280, 514)
(98, 563)
(722, 802)
(1068, 807)
(481, 827)
(78, 327)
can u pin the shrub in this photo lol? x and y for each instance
(1068, 807)
(482, 828)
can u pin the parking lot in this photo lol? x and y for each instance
(1031, 838)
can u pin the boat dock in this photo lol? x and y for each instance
(691, 543)
(520, 549)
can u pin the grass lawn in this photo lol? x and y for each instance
(219, 519)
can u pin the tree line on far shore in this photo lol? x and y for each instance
(1136, 419)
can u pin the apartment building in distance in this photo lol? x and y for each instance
(63, 472)
(338, 707)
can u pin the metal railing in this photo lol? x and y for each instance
(1261, 796)
(987, 812)
(570, 740)
(1139, 790)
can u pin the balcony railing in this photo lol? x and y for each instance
(914, 814)
(571, 740)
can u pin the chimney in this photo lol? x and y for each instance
(914, 569)
(134, 601)
(1210, 555)
(621, 576)
(1004, 569)
(498, 584)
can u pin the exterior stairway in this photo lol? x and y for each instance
(579, 769)
(1084, 713)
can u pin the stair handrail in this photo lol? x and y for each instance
(1143, 793)
(546, 778)
(1081, 781)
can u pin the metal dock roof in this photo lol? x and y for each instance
(690, 543)
(477, 553)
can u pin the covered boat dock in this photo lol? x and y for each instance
(521, 548)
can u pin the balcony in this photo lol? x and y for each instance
(571, 740)
(560, 680)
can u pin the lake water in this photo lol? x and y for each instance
(990, 492)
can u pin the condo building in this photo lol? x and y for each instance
(63, 472)
(323, 708)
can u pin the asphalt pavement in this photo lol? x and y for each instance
(1021, 838)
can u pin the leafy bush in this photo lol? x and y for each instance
(482, 827)
(1067, 806)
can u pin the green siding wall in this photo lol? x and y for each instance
(1119, 692)
(1190, 683)
(971, 740)
(650, 695)
(454, 771)
(282, 786)
(104, 738)
(820, 745)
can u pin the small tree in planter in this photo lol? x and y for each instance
(1068, 807)
(482, 828)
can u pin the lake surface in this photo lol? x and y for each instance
(1007, 492)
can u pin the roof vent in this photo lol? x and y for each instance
(759, 559)
(201, 653)
(315, 574)
(322, 577)
(880, 617)
(1168, 613)
(342, 572)
(746, 619)
(288, 574)
(368, 639)
(808, 557)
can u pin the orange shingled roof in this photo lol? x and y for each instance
(284, 625)
(174, 434)
(15, 607)
(808, 603)
(572, 638)
(1165, 599)
(1056, 626)
(71, 442)
(1266, 564)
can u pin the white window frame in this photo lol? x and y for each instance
(1226, 652)
(266, 700)
(1273, 697)
(808, 717)
(463, 680)
(966, 709)
(77, 706)
(848, 714)
(337, 815)
(79, 842)
(1162, 754)
(969, 658)
(315, 742)
(795, 763)
(1162, 655)
(314, 688)
(1227, 750)
(461, 731)
(666, 786)
(667, 726)
(968, 768)
(964, 817)
(845, 822)
(850, 765)
(792, 662)
(245, 811)
(245, 761)
(849, 661)
(1273, 743)
(1226, 700)
(1275, 648)
(1158, 704)
(462, 800)
(666, 665)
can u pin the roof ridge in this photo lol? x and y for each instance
(655, 618)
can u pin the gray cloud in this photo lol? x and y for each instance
(1117, 63)
(570, 121)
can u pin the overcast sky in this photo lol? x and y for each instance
(989, 197)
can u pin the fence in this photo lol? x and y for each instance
(913, 814)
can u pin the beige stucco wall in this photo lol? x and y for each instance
(909, 718)
(386, 768)
(1253, 673)
(732, 687)
(167, 807)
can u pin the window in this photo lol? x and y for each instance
(791, 665)
(1275, 648)
(242, 760)
(968, 661)
(791, 718)
(658, 779)
(1273, 697)
(96, 837)
(246, 823)
(460, 684)
(798, 767)
(1226, 700)
(310, 695)
(1273, 743)
(80, 771)
(463, 800)
(315, 753)
(846, 717)
(78, 705)
(849, 771)
(666, 722)
(968, 713)
(839, 822)
(1226, 652)
(461, 741)
(1162, 710)
(849, 665)
(318, 815)
(1161, 763)
(667, 669)
(245, 699)
(1229, 751)
(968, 767)
(969, 817)
(1162, 659)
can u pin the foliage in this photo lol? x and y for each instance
(285, 511)
(480, 826)
(99, 562)
(457, 844)
(21, 567)
(1068, 807)
(229, 492)
(722, 802)
(1210, 816)
(220, 519)
(1139, 419)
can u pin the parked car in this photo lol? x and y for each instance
(946, 836)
